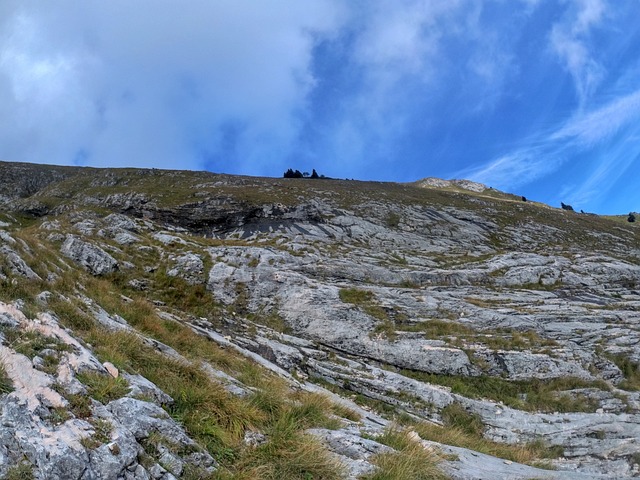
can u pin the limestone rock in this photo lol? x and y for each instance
(95, 260)
(190, 267)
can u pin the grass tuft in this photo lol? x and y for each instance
(104, 387)
(21, 471)
(410, 461)
(629, 369)
(6, 385)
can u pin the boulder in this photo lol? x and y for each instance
(92, 258)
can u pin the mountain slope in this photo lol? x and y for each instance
(188, 324)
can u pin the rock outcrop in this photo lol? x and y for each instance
(91, 257)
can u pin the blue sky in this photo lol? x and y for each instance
(535, 97)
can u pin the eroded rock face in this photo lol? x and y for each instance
(95, 260)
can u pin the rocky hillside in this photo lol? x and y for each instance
(166, 324)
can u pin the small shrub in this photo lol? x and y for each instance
(80, 405)
(392, 220)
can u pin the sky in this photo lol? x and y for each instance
(536, 97)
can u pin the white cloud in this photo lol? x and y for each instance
(589, 128)
(618, 160)
(516, 169)
(569, 40)
(150, 83)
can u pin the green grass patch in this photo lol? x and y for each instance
(355, 296)
(6, 385)
(21, 471)
(175, 291)
(289, 454)
(101, 434)
(365, 301)
(530, 395)
(103, 387)
(30, 342)
(437, 328)
(630, 370)
(271, 320)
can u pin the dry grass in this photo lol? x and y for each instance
(213, 417)
(410, 461)
(463, 429)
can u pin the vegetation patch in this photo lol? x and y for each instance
(216, 419)
(630, 370)
(356, 296)
(21, 471)
(272, 320)
(464, 429)
(101, 434)
(365, 301)
(437, 328)
(30, 342)
(59, 415)
(104, 387)
(175, 291)
(410, 461)
(6, 385)
(530, 395)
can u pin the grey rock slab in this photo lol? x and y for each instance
(352, 450)
(122, 222)
(92, 258)
(168, 239)
(142, 387)
(472, 465)
(189, 267)
(16, 264)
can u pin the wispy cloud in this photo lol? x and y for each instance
(586, 131)
(569, 40)
(517, 168)
(590, 128)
